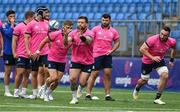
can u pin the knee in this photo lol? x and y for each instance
(72, 79)
(165, 76)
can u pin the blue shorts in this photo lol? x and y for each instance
(56, 65)
(43, 60)
(147, 68)
(22, 62)
(9, 59)
(102, 62)
(84, 68)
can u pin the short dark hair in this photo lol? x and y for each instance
(166, 28)
(83, 17)
(106, 15)
(68, 22)
(10, 12)
(29, 14)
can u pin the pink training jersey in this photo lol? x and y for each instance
(0, 23)
(157, 47)
(19, 31)
(81, 52)
(57, 51)
(103, 40)
(38, 30)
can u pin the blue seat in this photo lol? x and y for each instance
(20, 1)
(97, 16)
(3, 16)
(90, 16)
(113, 16)
(139, 8)
(175, 34)
(83, 14)
(95, 8)
(114, 1)
(120, 16)
(33, 7)
(61, 15)
(102, 8)
(132, 8)
(109, 8)
(78, 1)
(67, 8)
(75, 16)
(116, 8)
(20, 16)
(68, 15)
(57, 1)
(88, 9)
(51, 1)
(125, 8)
(5, 1)
(37, 1)
(54, 15)
(107, 1)
(178, 44)
(44, 1)
(147, 8)
(86, 1)
(159, 16)
(11, 1)
(64, 1)
(30, 1)
(142, 16)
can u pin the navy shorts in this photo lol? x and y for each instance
(22, 62)
(102, 62)
(9, 59)
(84, 68)
(56, 65)
(43, 60)
(147, 68)
(35, 65)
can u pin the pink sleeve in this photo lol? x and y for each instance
(173, 44)
(52, 36)
(150, 42)
(16, 31)
(116, 35)
(0, 23)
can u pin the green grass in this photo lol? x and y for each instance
(62, 97)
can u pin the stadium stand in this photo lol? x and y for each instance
(93, 9)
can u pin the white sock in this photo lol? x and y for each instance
(48, 91)
(80, 88)
(35, 91)
(16, 91)
(7, 89)
(39, 87)
(74, 94)
(23, 91)
(107, 95)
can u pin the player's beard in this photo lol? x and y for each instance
(81, 28)
(105, 24)
(163, 39)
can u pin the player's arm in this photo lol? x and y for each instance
(14, 40)
(172, 55)
(115, 47)
(67, 40)
(144, 50)
(26, 42)
(41, 45)
(2, 45)
(86, 39)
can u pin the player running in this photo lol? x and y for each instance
(153, 51)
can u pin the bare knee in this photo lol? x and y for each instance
(165, 75)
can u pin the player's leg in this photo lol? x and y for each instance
(19, 73)
(74, 74)
(9, 61)
(163, 72)
(145, 74)
(107, 83)
(85, 73)
(96, 67)
(107, 69)
(25, 81)
(34, 73)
